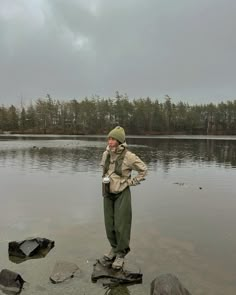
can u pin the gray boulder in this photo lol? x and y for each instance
(168, 284)
(10, 282)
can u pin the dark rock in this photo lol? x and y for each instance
(10, 282)
(167, 284)
(63, 271)
(103, 270)
(28, 249)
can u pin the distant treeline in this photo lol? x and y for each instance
(98, 115)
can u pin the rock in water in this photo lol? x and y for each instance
(29, 248)
(63, 271)
(117, 290)
(10, 282)
(103, 270)
(168, 284)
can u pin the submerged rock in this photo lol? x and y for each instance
(10, 282)
(103, 270)
(29, 248)
(63, 271)
(168, 284)
(117, 290)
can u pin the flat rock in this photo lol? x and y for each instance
(102, 270)
(10, 282)
(63, 271)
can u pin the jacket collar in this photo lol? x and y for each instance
(119, 149)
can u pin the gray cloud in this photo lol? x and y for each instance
(77, 48)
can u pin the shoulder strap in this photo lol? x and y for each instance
(106, 165)
(119, 161)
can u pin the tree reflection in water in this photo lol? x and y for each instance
(73, 156)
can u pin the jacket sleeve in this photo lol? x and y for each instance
(140, 167)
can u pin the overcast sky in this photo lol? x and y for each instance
(76, 48)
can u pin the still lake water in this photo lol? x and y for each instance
(184, 214)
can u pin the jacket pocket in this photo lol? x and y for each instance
(117, 184)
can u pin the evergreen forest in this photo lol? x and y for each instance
(97, 115)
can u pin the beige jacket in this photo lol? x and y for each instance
(130, 162)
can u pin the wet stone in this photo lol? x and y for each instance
(102, 270)
(63, 271)
(168, 284)
(29, 247)
(10, 282)
(20, 251)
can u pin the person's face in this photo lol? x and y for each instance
(112, 143)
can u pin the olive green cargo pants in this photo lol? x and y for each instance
(118, 217)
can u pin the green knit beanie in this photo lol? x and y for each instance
(118, 133)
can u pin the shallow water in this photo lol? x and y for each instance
(183, 214)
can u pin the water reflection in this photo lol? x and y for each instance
(180, 151)
(84, 156)
(53, 158)
(117, 290)
(187, 231)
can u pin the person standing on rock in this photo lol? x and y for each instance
(118, 163)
